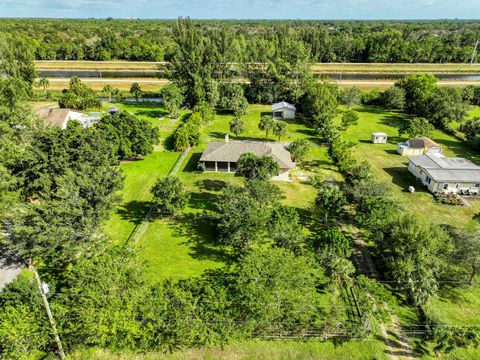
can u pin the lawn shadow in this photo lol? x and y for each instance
(211, 185)
(199, 230)
(402, 178)
(221, 137)
(157, 113)
(202, 200)
(192, 164)
(133, 211)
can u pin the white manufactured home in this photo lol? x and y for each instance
(283, 110)
(445, 175)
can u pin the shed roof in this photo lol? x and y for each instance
(379, 133)
(422, 142)
(231, 152)
(442, 169)
(283, 105)
(54, 117)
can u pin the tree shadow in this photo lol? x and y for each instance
(221, 137)
(203, 200)
(211, 185)
(402, 178)
(199, 230)
(153, 113)
(192, 164)
(133, 211)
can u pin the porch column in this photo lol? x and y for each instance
(216, 167)
(228, 166)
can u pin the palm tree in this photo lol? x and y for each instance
(266, 124)
(135, 90)
(108, 90)
(279, 129)
(44, 83)
(237, 126)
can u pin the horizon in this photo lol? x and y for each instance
(360, 10)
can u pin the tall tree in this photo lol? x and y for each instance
(415, 127)
(266, 124)
(172, 99)
(330, 201)
(279, 129)
(169, 195)
(237, 126)
(136, 90)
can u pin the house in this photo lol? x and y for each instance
(223, 156)
(379, 138)
(283, 110)
(414, 147)
(445, 175)
(59, 117)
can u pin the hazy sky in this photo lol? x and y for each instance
(241, 9)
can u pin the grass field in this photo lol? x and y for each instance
(378, 68)
(262, 350)
(392, 168)
(187, 246)
(124, 84)
(320, 67)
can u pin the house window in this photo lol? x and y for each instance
(222, 166)
(210, 165)
(477, 185)
(428, 180)
(278, 114)
(445, 187)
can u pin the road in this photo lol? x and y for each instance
(8, 272)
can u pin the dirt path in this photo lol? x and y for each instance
(396, 344)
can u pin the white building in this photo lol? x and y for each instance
(283, 110)
(414, 147)
(445, 175)
(61, 117)
(379, 138)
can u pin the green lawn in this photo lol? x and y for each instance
(262, 350)
(139, 178)
(392, 168)
(186, 246)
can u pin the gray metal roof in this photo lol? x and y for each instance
(231, 152)
(379, 133)
(442, 169)
(421, 143)
(283, 105)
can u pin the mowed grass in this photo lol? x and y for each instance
(261, 350)
(187, 245)
(123, 84)
(139, 178)
(375, 68)
(392, 168)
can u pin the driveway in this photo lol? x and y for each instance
(9, 270)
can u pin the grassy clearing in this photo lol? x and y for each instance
(392, 168)
(139, 178)
(375, 68)
(95, 65)
(257, 350)
(186, 246)
(124, 84)
(320, 67)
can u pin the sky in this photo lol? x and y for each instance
(244, 9)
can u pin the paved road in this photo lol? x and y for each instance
(8, 272)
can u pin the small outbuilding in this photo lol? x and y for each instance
(415, 147)
(113, 110)
(283, 110)
(379, 138)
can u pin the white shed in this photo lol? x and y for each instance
(283, 110)
(379, 138)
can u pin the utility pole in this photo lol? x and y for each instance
(474, 52)
(49, 313)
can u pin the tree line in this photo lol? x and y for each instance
(327, 41)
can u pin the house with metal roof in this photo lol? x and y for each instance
(223, 156)
(414, 147)
(283, 110)
(445, 175)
